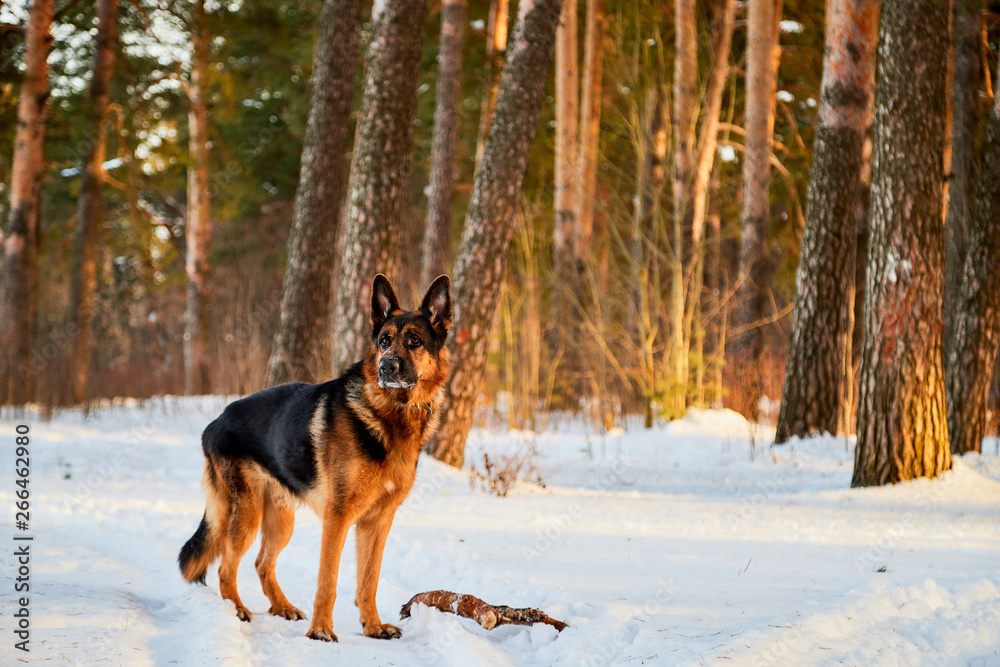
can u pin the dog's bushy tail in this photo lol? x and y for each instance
(198, 553)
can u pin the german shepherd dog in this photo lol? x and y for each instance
(348, 448)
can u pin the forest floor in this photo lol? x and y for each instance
(693, 543)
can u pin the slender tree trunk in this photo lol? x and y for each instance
(684, 125)
(902, 429)
(442, 179)
(482, 259)
(199, 223)
(590, 126)
(972, 356)
(763, 56)
(706, 148)
(302, 344)
(380, 170)
(567, 131)
(90, 210)
(496, 46)
(20, 241)
(819, 357)
(967, 24)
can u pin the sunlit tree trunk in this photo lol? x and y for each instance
(90, 211)
(902, 429)
(302, 344)
(819, 357)
(496, 46)
(972, 356)
(590, 125)
(380, 170)
(442, 178)
(489, 224)
(567, 130)
(18, 280)
(198, 232)
(967, 26)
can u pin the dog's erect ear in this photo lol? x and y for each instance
(383, 303)
(437, 305)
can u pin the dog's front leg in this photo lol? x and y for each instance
(371, 532)
(335, 527)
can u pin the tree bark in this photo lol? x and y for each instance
(819, 357)
(902, 429)
(90, 211)
(442, 178)
(496, 46)
(302, 344)
(20, 242)
(567, 131)
(380, 170)
(590, 126)
(967, 24)
(684, 126)
(489, 224)
(972, 356)
(763, 56)
(198, 233)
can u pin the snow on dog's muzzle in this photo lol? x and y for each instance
(393, 373)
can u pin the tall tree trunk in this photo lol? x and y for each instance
(302, 344)
(380, 170)
(442, 179)
(902, 432)
(819, 355)
(722, 32)
(20, 242)
(967, 24)
(972, 356)
(90, 210)
(684, 125)
(590, 126)
(198, 232)
(763, 56)
(489, 224)
(496, 46)
(567, 130)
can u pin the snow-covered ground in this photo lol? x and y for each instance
(694, 543)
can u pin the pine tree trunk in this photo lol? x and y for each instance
(198, 233)
(590, 126)
(972, 356)
(763, 56)
(496, 46)
(380, 171)
(20, 242)
(902, 432)
(707, 144)
(442, 178)
(967, 23)
(684, 127)
(90, 211)
(489, 224)
(819, 355)
(302, 344)
(567, 131)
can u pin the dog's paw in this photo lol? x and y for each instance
(244, 614)
(383, 631)
(323, 634)
(289, 612)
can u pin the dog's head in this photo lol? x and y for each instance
(409, 344)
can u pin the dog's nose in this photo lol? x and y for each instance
(389, 365)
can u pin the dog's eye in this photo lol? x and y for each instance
(414, 342)
(384, 341)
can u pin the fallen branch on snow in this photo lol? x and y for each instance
(487, 615)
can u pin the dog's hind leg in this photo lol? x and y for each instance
(242, 523)
(276, 530)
